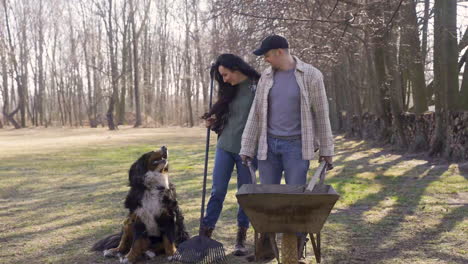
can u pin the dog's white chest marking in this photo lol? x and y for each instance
(154, 179)
(151, 204)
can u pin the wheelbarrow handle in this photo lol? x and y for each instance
(319, 173)
(252, 171)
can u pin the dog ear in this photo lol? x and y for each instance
(136, 174)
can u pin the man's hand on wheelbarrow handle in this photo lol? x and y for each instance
(328, 160)
(245, 158)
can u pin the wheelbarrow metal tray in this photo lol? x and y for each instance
(283, 208)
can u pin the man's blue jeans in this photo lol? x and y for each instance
(224, 165)
(283, 155)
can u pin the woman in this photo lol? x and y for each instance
(236, 81)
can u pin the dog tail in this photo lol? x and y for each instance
(182, 234)
(108, 242)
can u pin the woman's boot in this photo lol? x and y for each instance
(240, 249)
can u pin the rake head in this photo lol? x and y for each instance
(200, 250)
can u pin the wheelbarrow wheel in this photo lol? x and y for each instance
(289, 249)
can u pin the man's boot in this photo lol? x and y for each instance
(206, 231)
(240, 249)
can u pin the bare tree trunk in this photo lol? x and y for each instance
(67, 96)
(76, 95)
(41, 77)
(445, 72)
(164, 86)
(89, 101)
(424, 31)
(215, 40)
(179, 92)
(5, 93)
(89, 85)
(130, 91)
(413, 57)
(196, 85)
(135, 36)
(35, 93)
(396, 99)
(60, 95)
(147, 88)
(11, 51)
(396, 85)
(136, 85)
(155, 83)
(32, 96)
(24, 57)
(188, 81)
(373, 84)
(113, 60)
(56, 84)
(123, 81)
(98, 97)
(201, 65)
(382, 90)
(331, 91)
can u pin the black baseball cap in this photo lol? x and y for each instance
(271, 42)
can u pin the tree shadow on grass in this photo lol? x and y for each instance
(370, 240)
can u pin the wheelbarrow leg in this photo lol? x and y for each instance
(255, 245)
(274, 246)
(316, 246)
(265, 247)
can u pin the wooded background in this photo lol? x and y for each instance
(145, 62)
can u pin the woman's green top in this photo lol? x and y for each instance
(239, 108)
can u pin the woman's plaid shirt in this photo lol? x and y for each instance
(315, 121)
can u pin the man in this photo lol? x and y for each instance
(288, 119)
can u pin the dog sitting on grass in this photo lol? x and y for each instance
(155, 223)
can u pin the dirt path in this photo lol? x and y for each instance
(41, 140)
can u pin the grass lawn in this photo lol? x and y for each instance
(63, 189)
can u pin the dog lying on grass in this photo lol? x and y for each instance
(155, 223)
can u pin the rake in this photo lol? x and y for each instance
(201, 249)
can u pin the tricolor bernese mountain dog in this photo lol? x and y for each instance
(155, 223)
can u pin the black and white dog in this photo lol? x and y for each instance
(155, 223)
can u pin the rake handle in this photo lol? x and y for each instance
(205, 170)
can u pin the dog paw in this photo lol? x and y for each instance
(109, 253)
(170, 258)
(124, 260)
(150, 254)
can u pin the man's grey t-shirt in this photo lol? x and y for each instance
(284, 105)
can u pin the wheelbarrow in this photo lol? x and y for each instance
(289, 209)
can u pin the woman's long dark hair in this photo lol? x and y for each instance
(227, 92)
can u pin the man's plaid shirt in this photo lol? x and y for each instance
(315, 121)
